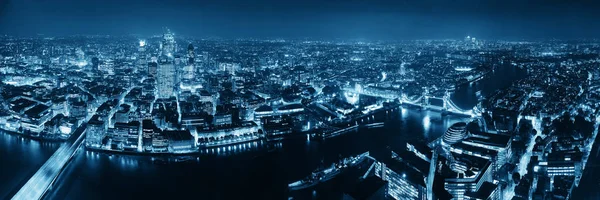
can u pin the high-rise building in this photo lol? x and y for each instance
(141, 59)
(189, 68)
(165, 81)
(152, 69)
(191, 54)
(95, 132)
(168, 44)
(230, 68)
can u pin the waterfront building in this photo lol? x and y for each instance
(454, 134)
(404, 182)
(180, 141)
(160, 143)
(95, 132)
(216, 136)
(148, 131)
(34, 118)
(125, 136)
(277, 126)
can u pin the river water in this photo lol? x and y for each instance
(257, 170)
(20, 158)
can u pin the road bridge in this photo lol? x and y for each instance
(44, 178)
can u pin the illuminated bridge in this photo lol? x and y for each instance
(44, 178)
(423, 101)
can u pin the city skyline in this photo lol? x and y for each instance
(390, 100)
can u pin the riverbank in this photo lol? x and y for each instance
(36, 138)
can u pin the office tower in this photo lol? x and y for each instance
(191, 54)
(152, 69)
(188, 69)
(178, 63)
(168, 44)
(165, 80)
(141, 59)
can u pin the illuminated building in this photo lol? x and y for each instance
(107, 66)
(472, 159)
(160, 143)
(165, 81)
(222, 119)
(193, 120)
(189, 68)
(179, 141)
(152, 69)
(230, 68)
(95, 132)
(77, 109)
(217, 136)
(168, 44)
(498, 143)
(479, 171)
(454, 134)
(141, 58)
(290, 109)
(34, 118)
(275, 127)
(125, 135)
(148, 131)
(263, 111)
(403, 181)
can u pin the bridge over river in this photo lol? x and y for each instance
(423, 101)
(44, 178)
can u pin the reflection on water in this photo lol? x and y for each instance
(20, 158)
(236, 171)
(240, 148)
(242, 166)
(465, 96)
(426, 125)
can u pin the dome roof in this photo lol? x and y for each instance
(455, 133)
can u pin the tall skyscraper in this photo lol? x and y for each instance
(189, 68)
(191, 54)
(165, 81)
(141, 58)
(168, 44)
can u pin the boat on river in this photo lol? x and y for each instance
(326, 174)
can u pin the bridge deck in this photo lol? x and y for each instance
(42, 180)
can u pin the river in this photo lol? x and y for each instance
(258, 170)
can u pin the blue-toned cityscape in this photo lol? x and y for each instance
(169, 116)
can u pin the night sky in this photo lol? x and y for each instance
(325, 19)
